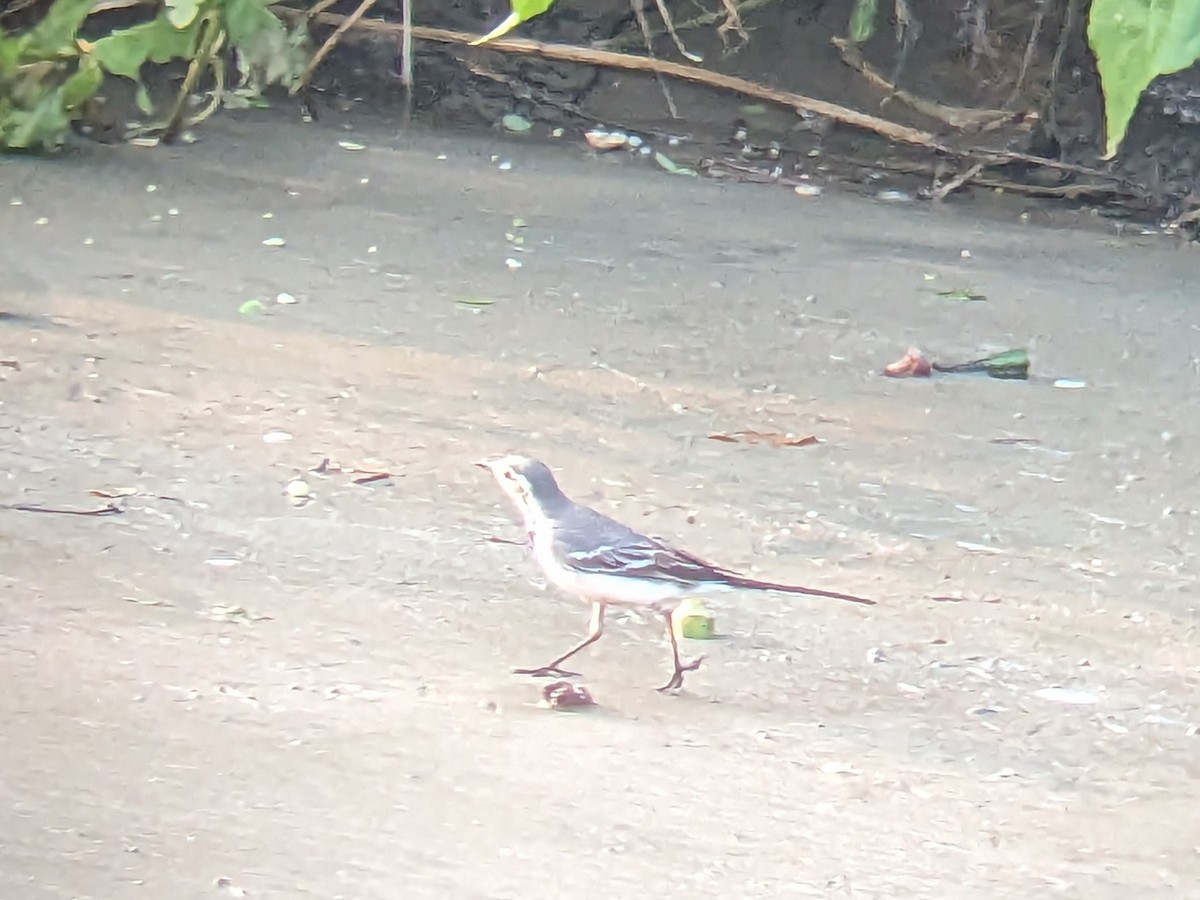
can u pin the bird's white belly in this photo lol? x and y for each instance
(615, 590)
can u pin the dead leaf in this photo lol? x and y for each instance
(148, 601)
(113, 493)
(564, 695)
(371, 477)
(225, 613)
(774, 438)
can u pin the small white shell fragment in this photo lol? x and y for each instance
(513, 263)
(151, 188)
(1067, 695)
(504, 166)
(974, 547)
(16, 201)
(352, 146)
(87, 242)
(441, 156)
(276, 437)
(372, 249)
(145, 142)
(1070, 384)
(893, 196)
(286, 299)
(965, 254)
(274, 242)
(222, 562)
(634, 141)
(558, 132)
(172, 211)
(807, 190)
(42, 221)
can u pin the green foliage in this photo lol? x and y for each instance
(1135, 41)
(47, 74)
(522, 11)
(862, 21)
(43, 82)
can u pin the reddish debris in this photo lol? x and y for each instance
(912, 365)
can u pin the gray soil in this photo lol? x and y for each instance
(219, 692)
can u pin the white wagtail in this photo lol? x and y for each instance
(585, 553)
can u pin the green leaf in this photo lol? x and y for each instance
(862, 21)
(85, 81)
(1135, 41)
(125, 51)
(45, 125)
(244, 19)
(267, 52)
(671, 166)
(181, 13)
(522, 11)
(143, 101)
(54, 36)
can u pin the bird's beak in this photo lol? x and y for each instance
(483, 464)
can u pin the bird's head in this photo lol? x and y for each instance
(529, 483)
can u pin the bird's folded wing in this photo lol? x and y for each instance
(638, 556)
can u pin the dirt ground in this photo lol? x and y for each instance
(221, 693)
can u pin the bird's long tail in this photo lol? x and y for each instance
(739, 581)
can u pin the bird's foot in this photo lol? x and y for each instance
(676, 681)
(546, 672)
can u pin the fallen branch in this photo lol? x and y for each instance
(799, 102)
(609, 59)
(955, 116)
(938, 193)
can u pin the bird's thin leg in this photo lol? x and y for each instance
(552, 670)
(676, 681)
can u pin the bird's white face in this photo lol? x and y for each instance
(507, 472)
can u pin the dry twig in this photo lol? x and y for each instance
(630, 39)
(639, 12)
(956, 116)
(347, 22)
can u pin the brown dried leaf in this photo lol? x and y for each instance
(113, 493)
(564, 695)
(371, 477)
(774, 438)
